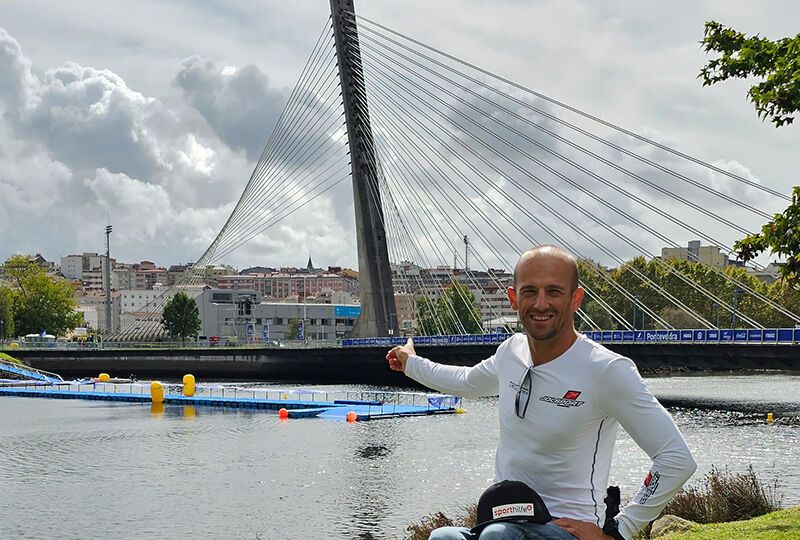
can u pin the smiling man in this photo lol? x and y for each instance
(561, 400)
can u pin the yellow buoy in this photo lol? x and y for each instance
(460, 411)
(103, 377)
(769, 418)
(157, 392)
(188, 385)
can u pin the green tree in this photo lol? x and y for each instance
(293, 329)
(777, 97)
(781, 236)
(181, 317)
(459, 311)
(7, 298)
(453, 313)
(427, 317)
(41, 303)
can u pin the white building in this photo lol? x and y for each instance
(74, 266)
(241, 314)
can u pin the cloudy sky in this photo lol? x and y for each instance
(152, 114)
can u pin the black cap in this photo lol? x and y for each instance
(510, 500)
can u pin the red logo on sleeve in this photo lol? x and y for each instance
(572, 394)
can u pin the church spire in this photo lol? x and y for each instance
(309, 266)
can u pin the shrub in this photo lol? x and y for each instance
(423, 529)
(724, 496)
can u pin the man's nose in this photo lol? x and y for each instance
(540, 300)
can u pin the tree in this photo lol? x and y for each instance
(427, 317)
(7, 298)
(181, 317)
(776, 98)
(781, 236)
(459, 311)
(455, 312)
(41, 303)
(293, 329)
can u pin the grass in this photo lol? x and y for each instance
(423, 529)
(10, 358)
(724, 496)
(780, 525)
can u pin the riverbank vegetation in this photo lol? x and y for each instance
(645, 279)
(722, 505)
(723, 496)
(35, 302)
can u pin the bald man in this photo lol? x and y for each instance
(561, 400)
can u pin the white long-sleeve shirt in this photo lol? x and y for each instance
(563, 446)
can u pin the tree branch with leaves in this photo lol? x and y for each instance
(777, 98)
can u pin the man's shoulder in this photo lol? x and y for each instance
(516, 345)
(599, 355)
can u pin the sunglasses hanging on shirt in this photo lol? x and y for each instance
(524, 393)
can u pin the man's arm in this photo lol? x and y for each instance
(479, 380)
(625, 397)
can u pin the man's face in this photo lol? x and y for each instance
(543, 299)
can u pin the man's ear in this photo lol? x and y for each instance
(512, 297)
(577, 299)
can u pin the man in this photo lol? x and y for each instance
(561, 400)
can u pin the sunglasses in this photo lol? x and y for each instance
(521, 402)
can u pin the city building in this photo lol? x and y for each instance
(93, 306)
(280, 285)
(406, 308)
(694, 252)
(243, 316)
(147, 304)
(769, 274)
(74, 266)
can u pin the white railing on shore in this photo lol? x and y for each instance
(783, 336)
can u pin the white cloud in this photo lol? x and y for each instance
(80, 147)
(108, 103)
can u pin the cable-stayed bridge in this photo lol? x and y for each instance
(439, 150)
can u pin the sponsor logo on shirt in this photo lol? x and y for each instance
(650, 486)
(513, 510)
(570, 399)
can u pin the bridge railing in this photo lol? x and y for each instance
(697, 336)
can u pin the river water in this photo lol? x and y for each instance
(78, 469)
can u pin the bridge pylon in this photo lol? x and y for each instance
(378, 312)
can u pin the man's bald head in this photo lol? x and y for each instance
(554, 252)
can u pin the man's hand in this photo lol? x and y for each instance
(582, 530)
(398, 356)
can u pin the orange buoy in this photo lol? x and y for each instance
(283, 414)
(352, 416)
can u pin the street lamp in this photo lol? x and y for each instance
(736, 294)
(2, 331)
(715, 305)
(635, 298)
